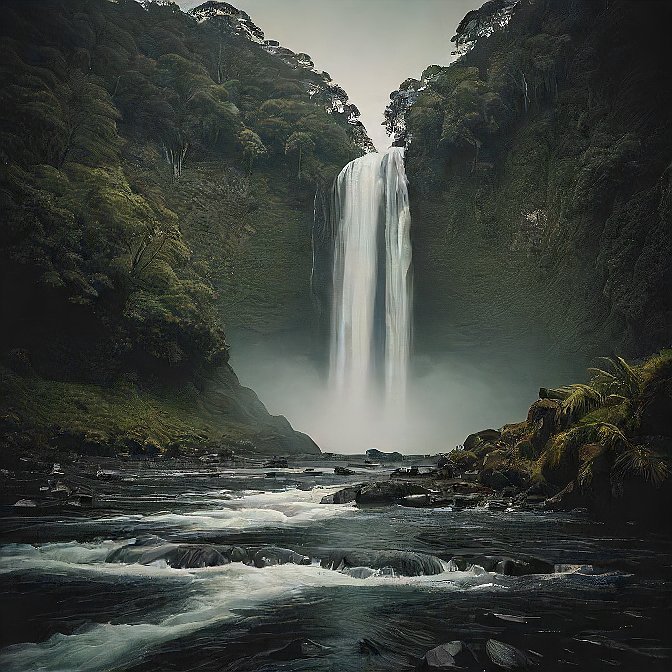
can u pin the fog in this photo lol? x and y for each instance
(448, 399)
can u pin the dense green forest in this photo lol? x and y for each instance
(541, 177)
(157, 176)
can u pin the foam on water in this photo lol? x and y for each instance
(222, 591)
(251, 511)
(216, 594)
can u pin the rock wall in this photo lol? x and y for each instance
(539, 165)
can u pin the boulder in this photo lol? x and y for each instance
(468, 501)
(404, 563)
(518, 477)
(272, 555)
(178, 556)
(417, 501)
(344, 496)
(343, 471)
(462, 460)
(544, 417)
(496, 460)
(494, 479)
(426, 501)
(513, 566)
(507, 657)
(484, 436)
(570, 497)
(150, 549)
(455, 655)
(388, 492)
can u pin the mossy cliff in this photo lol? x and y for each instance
(158, 171)
(604, 445)
(541, 183)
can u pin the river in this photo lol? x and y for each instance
(66, 607)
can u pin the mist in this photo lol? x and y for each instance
(448, 399)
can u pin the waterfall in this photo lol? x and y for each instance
(371, 310)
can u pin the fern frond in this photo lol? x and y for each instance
(626, 380)
(580, 400)
(611, 437)
(643, 462)
(586, 471)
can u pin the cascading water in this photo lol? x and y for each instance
(371, 310)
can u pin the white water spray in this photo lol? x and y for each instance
(371, 313)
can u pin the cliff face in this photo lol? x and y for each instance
(540, 171)
(158, 172)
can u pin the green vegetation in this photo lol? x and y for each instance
(605, 444)
(122, 128)
(540, 175)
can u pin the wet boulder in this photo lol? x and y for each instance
(570, 497)
(178, 556)
(455, 655)
(494, 479)
(388, 492)
(344, 496)
(495, 460)
(513, 566)
(273, 555)
(404, 563)
(508, 657)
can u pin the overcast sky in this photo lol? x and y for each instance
(368, 46)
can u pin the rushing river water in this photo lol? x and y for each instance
(65, 607)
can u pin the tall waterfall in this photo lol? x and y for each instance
(371, 310)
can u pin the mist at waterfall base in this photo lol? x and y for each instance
(446, 400)
(368, 399)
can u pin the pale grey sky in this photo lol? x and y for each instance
(368, 46)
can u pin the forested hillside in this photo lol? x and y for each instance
(157, 178)
(539, 164)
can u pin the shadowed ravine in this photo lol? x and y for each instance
(604, 602)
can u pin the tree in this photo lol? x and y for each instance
(252, 146)
(299, 143)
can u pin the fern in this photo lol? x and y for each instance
(623, 381)
(580, 400)
(643, 462)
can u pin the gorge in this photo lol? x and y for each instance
(455, 450)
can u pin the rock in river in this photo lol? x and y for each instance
(404, 563)
(388, 492)
(190, 556)
(344, 496)
(455, 655)
(508, 657)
